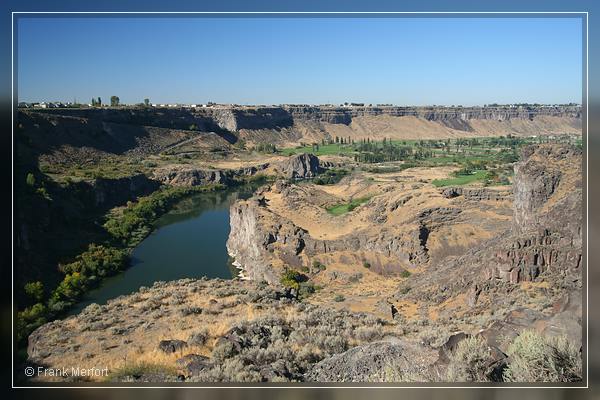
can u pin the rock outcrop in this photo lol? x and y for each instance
(301, 166)
(546, 234)
(177, 176)
(384, 361)
(547, 216)
(112, 192)
(477, 194)
(192, 176)
(248, 242)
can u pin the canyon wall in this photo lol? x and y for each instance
(344, 115)
(545, 238)
(281, 118)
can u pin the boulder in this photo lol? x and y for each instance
(301, 166)
(378, 361)
(193, 364)
(171, 346)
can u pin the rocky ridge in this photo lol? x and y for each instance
(298, 167)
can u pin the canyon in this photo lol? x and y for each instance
(348, 271)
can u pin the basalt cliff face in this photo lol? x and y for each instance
(542, 249)
(294, 124)
(547, 231)
(344, 115)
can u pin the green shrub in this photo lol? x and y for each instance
(318, 266)
(35, 290)
(469, 362)
(149, 164)
(70, 289)
(223, 350)
(29, 319)
(292, 278)
(330, 177)
(266, 148)
(339, 298)
(404, 290)
(405, 273)
(30, 179)
(535, 358)
(139, 369)
(366, 264)
(135, 222)
(305, 289)
(98, 261)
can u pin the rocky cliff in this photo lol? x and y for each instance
(541, 251)
(112, 192)
(546, 233)
(294, 124)
(547, 218)
(452, 116)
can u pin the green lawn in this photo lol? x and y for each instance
(460, 180)
(328, 149)
(343, 208)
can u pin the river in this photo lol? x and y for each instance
(188, 242)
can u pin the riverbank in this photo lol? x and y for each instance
(188, 241)
(127, 226)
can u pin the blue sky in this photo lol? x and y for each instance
(412, 61)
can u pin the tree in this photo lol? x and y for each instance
(114, 101)
(94, 102)
(146, 102)
(99, 102)
(35, 290)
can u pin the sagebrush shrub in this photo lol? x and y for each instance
(469, 361)
(535, 358)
